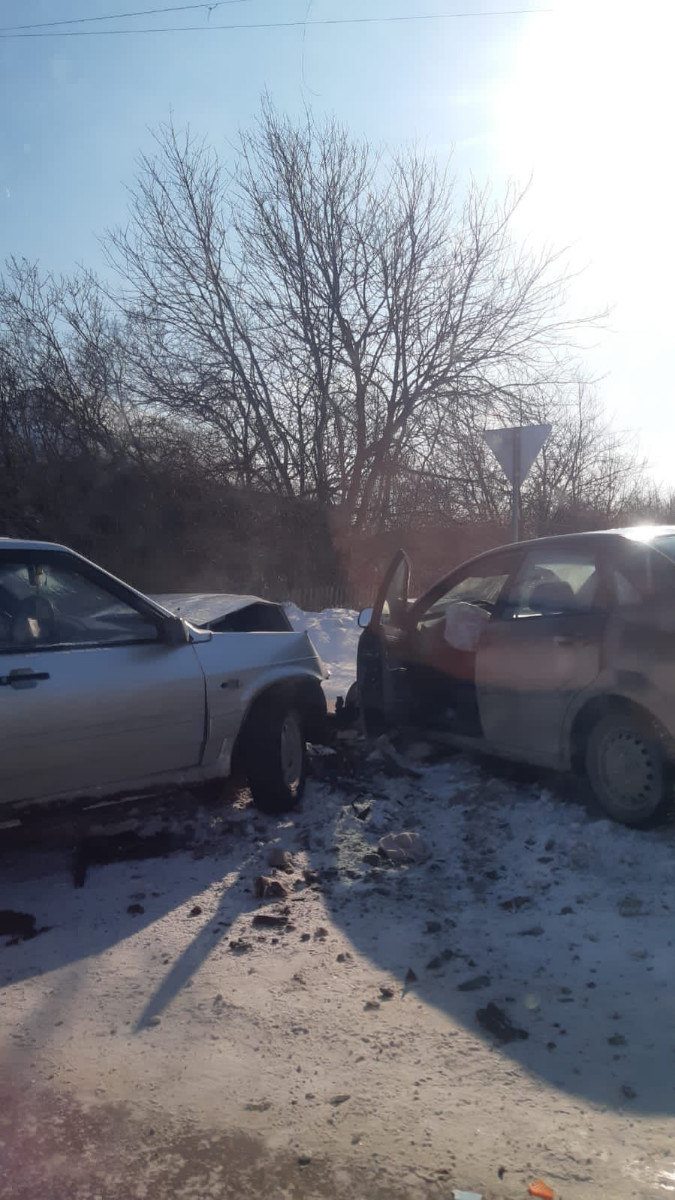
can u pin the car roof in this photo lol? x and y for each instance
(8, 543)
(633, 533)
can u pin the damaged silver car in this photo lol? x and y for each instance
(104, 690)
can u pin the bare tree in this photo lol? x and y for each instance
(329, 312)
(65, 352)
(588, 473)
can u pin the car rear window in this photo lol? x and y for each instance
(666, 545)
(640, 573)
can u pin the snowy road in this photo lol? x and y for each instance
(501, 1012)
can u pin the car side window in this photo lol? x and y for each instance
(49, 606)
(551, 583)
(640, 574)
(482, 585)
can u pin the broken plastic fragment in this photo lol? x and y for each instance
(457, 1195)
(403, 847)
(318, 751)
(542, 1190)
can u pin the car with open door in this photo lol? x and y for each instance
(104, 690)
(558, 652)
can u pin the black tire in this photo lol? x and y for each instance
(352, 700)
(275, 754)
(628, 770)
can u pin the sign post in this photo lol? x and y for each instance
(515, 450)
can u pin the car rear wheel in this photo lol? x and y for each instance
(627, 769)
(275, 756)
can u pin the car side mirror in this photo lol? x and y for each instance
(365, 617)
(175, 631)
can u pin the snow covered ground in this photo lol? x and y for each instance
(501, 1012)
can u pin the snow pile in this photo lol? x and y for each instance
(335, 633)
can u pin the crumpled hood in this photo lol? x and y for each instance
(201, 607)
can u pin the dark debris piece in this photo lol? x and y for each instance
(18, 926)
(474, 985)
(494, 1020)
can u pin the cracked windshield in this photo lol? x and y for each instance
(337, 600)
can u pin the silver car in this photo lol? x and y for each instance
(104, 690)
(558, 652)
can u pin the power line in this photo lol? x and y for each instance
(507, 12)
(210, 5)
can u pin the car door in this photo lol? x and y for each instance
(92, 693)
(542, 647)
(447, 627)
(380, 681)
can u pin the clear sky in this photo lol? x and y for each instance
(580, 97)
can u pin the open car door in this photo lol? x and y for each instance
(380, 675)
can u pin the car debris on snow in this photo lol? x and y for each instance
(439, 960)
(274, 920)
(516, 903)
(474, 985)
(282, 860)
(386, 751)
(541, 1190)
(239, 946)
(406, 847)
(494, 1020)
(19, 926)
(266, 888)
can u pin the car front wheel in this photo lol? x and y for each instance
(276, 759)
(627, 769)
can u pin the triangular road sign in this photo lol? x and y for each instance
(504, 445)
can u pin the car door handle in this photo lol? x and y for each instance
(570, 639)
(22, 676)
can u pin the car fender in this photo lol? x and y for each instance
(238, 668)
(627, 685)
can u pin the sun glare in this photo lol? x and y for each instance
(587, 112)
